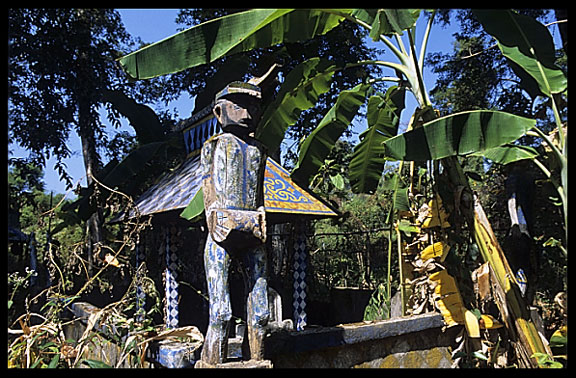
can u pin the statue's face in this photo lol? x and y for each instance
(238, 113)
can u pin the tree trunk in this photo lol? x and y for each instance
(85, 93)
(91, 164)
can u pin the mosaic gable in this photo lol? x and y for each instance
(175, 190)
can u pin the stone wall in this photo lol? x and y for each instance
(405, 342)
(412, 342)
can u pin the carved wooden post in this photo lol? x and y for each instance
(233, 165)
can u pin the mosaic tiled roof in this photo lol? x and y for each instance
(175, 190)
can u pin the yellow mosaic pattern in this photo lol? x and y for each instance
(282, 195)
(439, 357)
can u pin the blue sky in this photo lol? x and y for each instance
(152, 25)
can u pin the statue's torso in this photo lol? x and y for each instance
(233, 173)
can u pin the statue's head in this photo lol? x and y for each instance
(237, 107)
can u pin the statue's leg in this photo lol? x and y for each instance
(258, 311)
(216, 264)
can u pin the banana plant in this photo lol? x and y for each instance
(383, 118)
(477, 132)
(529, 47)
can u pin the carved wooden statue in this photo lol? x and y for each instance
(233, 166)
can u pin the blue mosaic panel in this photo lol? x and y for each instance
(194, 137)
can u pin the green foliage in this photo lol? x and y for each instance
(15, 282)
(378, 307)
(508, 153)
(36, 214)
(155, 150)
(143, 119)
(527, 43)
(24, 184)
(352, 251)
(316, 147)
(339, 46)
(228, 35)
(95, 364)
(530, 46)
(59, 60)
(331, 181)
(387, 21)
(383, 119)
(477, 73)
(559, 340)
(464, 83)
(300, 91)
(195, 208)
(545, 361)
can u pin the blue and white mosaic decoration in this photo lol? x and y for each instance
(300, 264)
(171, 284)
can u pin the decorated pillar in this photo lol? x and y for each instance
(300, 264)
(170, 282)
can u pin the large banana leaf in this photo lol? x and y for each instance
(458, 134)
(299, 91)
(387, 21)
(195, 208)
(228, 35)
(316, 147)
(526, 42)
(508, 153)
(383, 119)
(399, 191)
